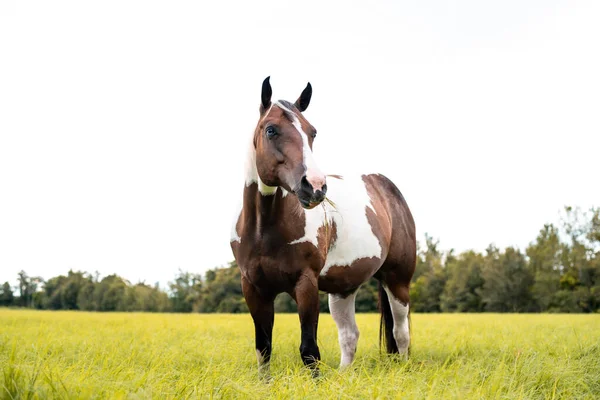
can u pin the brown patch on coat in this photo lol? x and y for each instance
(399, 265)
(326, 237)
(346, 279)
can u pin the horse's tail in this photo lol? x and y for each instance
(386, 324)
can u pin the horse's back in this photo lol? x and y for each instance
(382, 189)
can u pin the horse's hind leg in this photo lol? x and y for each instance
(398, 298)
(394, 276)
(342, 311)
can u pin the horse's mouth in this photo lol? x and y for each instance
(307, 204)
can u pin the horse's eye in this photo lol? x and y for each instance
(271, 132)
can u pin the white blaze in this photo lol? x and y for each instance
(314, 176)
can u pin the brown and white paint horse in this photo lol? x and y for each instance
(287, 239)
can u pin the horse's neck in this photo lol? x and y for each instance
(265, 203)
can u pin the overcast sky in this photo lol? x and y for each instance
(123, 124)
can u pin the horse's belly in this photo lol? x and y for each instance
(346, 279)
(357, 245)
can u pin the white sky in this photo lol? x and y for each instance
(123, 124)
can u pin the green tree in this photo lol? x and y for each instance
(110, 294)
(580, 279)
(27, 288)
(367, 296)
(285, 304)
(429, 279)
(7, 297)
(461, 292)
(224, 292)
(142, 297)
(545, 265)
(507, 281)
(86, 299)
(185, 292)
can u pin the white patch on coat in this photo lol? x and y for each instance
(401, 329)
(234, 236)
(259, 357)
(263, 367)
(342, 310)
(251, 174)
(370, 204)
(314, 219)
(355, 238)
(266, 190)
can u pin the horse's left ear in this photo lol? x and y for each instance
(265, 96)
(304, 99)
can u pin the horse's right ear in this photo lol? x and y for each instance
(265, 96)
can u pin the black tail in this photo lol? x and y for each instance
(386, 325)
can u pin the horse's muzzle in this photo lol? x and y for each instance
(308, 197)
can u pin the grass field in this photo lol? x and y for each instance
(87, 355)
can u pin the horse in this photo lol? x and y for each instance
(299, 231)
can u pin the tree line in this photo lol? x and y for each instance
(558, 272)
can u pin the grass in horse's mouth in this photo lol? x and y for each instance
(326, 222)
(331, 203)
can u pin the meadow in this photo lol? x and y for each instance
(134, 355)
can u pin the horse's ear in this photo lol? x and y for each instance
(265, 96)
(304, 99)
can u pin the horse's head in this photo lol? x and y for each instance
(283, 141)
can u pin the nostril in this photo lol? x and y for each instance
(304, 182)
(324, 189)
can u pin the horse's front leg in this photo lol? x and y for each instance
(263, 313)
(306, 294)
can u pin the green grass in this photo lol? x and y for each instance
(88, 355)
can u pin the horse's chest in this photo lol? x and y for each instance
(322, 239)
(269, 257)
(267, 247)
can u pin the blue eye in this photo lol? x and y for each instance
(271, 132)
